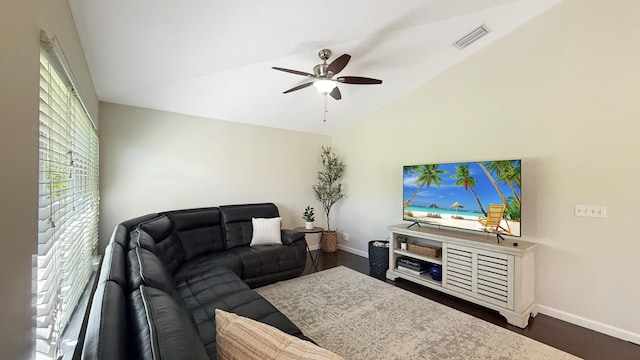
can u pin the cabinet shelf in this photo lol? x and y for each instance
(432, 260)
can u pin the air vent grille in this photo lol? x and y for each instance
(472, 37)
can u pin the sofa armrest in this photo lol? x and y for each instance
(290, 236)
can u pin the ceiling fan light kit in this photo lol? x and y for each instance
(324, 86)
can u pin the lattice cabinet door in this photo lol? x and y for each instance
(485, 275)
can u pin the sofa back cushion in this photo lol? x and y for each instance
(113, 265)
(107, 327)
(167, 246)
(199, 231)
(162, 328)
(120, 235)
(139, 238)
(147, 269)
(121, 232)
(108, 312)
(236, 221)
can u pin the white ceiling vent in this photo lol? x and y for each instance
(472, 37)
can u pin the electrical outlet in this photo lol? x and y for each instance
(597, 211)
(345, 236)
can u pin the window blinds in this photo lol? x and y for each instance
(67, 204)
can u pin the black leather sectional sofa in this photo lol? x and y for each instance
(163, 275)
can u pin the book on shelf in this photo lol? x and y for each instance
(416, 268)
(412, 271)
(413, 263)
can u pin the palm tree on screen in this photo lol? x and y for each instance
(428, 175)
(509, 173)
(464, 179)
(484, 168)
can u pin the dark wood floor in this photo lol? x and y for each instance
(562, 335)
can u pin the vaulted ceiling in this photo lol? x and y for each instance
(213, 58)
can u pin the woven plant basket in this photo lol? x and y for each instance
(329, 241)
(425, 250)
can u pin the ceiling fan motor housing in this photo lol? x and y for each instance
(321, 70)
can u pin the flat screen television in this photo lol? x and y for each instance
(477, 196)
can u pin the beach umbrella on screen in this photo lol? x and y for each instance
(457, 206)
(433, 206)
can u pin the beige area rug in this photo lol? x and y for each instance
(360, 317)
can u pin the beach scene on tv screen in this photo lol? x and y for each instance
(480, 196)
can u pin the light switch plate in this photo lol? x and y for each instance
(597, 211)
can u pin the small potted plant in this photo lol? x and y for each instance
(308, 217)
(403, 239)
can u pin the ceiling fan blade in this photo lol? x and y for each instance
(293, 71)
(358, 80)
(299, 87)
(338, 64)
(335, 93)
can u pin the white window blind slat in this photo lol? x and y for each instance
(67, 206)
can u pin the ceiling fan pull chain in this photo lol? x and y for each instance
(325, 108)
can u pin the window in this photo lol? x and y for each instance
(67, 203)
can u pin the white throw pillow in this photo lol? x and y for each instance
(266, 231)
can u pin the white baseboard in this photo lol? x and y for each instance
(590, 324)
(345, 248)
(342, 247)
(353, 251)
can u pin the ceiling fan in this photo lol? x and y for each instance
(323, 75)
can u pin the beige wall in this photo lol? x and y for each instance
(19, 69)
(18, 146)
(153, 161)
(562, 93)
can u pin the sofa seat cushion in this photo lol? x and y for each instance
(264, 260)
(206, 287)
(231, 295)
(206, 262)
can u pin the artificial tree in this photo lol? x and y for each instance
(329, 189)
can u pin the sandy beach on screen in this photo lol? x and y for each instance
(467, 222)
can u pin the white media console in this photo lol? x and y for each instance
(475, 267)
